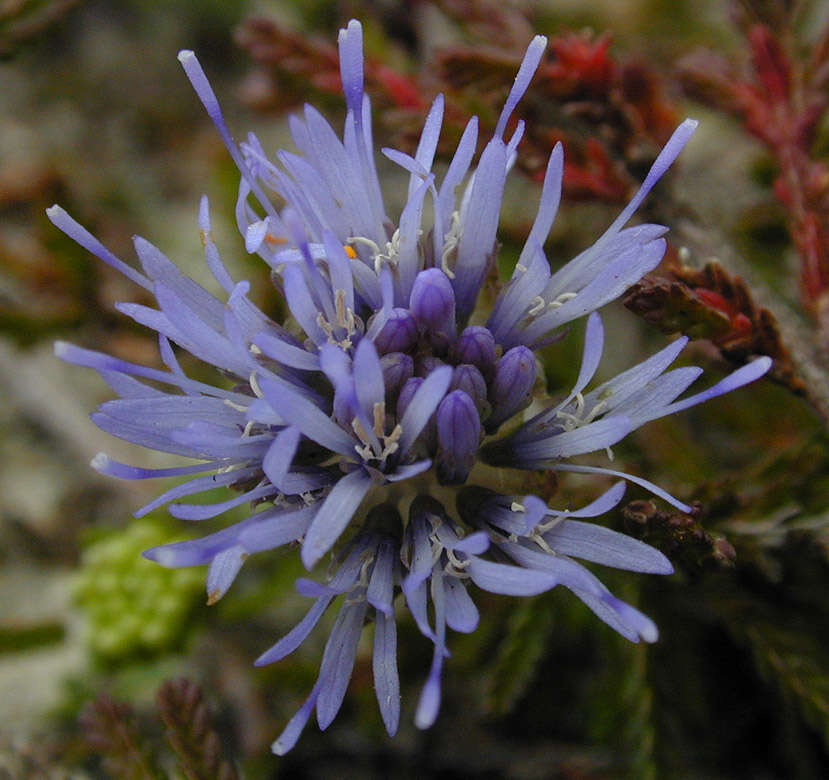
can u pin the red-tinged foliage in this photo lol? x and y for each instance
(595, 177)
(580, 65)
(710, 303)
(293, 66)
(782, 103)
(612, 117)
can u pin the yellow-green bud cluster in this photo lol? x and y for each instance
(134, 606)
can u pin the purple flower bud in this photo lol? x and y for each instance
(459, 433)
(428, 436)
(406, 394)
(432, 303)
(511, 388)
(476, 346)
(467, 378)
(397, 370)
(399, 334)
(426, 364)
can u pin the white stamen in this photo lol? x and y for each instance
(450, 243)
(254, 385)
(541, 542)
(345, 321)
(538, 304)
(561, 300)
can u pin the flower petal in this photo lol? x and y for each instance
(334, 515)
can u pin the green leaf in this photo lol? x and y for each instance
(523, 645)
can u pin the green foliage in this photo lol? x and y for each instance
(790, 657)
(134, 605)
(521, 649)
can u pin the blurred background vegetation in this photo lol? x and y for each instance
(113, 667)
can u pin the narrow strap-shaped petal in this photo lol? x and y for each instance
(519, 293)
(103, 464)
(384, 667)
(742, 376)
(201, 340)
(621, 617)
(472, 544)
(380, 592)
(129, 387)
(275, 527)
(604, 503)
(429, 702)
(655, 489)
(563, 571)
(210, 440)
(592, 354)
(480, 225)
(198, 485)
(595, 543)
(420, 555)
(650, 402)
(533, 55)
(308, 417)
(547, 205)
(461, 612)
(61, 220)
(201, 85)
(206, 511)
(588, 264)
(280, 455)
(168, 357)
(223, 570)
(138, 432)
(409, 470)
(164, 271)
(296, 636)
(587, 438)
(458, 167)
(292, 732)
(676, 143)
(102, 362)
(194, 552)
(368, 378)
(409, 250)
(302, 304)
(338, 660)
(609, 284)
(429, 136)
(423, 404)
(509, 580)
(334, 515)
(350, 42)
(339, 268)
(211, 251)
(617, 390)
(285, 353)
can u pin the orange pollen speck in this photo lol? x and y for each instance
(350, 252)
(272, 239)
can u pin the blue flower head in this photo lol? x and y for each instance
(368, 426)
